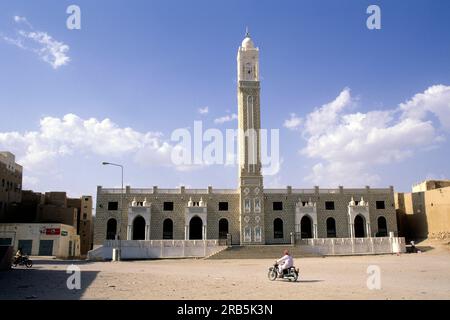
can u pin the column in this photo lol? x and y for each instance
(186, 232)
(147, 232)
(315, 231)
(369, 233)
(204, 232)
(130, 232)
(352, 231)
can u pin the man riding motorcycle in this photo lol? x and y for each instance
(285, 262)
(19, 255)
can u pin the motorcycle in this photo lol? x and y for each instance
(291, 273)
(22, 261)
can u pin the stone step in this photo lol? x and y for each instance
(264, 252)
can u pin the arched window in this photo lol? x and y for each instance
(278, 229)
(223, 228)
(306, 227)
(382, 227)
(196, 229)
(168, 229)
(139, 228)
(331, 228)
(111, 229)
(360, 231)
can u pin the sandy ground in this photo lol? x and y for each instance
(409, 276)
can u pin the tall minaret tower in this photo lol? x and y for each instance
(250, 177)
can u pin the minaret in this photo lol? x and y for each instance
(250, 177)
(249, 113)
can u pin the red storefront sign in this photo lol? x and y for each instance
(52, 231)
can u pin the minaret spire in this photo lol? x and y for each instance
(247, 34)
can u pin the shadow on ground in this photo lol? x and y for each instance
(42, 284)
(409, 249)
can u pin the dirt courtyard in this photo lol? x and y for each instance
(409, 276)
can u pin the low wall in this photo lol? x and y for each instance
(351, 246)
(156, 249)
(159, 249)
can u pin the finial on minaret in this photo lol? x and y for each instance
(247, 34)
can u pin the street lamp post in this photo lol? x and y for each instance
(121, 207)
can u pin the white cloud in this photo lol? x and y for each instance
(435, 99)
(71, 135)
(293, 123)
(49, 50)
(321, 119)
(349, 144)
(41, 43)
(23, 20)
(226, 118)
(204, 110)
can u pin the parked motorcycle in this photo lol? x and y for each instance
(22, 261)
(291, 273)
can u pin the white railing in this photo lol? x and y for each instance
(142, 191)
(303, 191)
(350, 246)
(386, 190)
(329, 191)
(274, 191)
(225, 191)
(112, 190)
(155, 249)
(365, 191)
(197, 191)
(169, 191)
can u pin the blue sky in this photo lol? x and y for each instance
(149, 66)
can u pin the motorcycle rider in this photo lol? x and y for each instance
(285, 262)
(19, 255)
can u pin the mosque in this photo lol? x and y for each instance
(249, 214)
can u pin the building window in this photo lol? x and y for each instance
(329, 205)
(257, 205)
(380, 205)
(113, 205)
(247, 205)
(86, 199)
(277, 206)
(223, 206)
(84, 216)
(247, 234)
(168, 206)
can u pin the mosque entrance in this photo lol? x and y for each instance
(382, 227)
(359, 227)
(111, 229)
(223, 228)
(139, 228)
(306, 227)
(196, 229)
